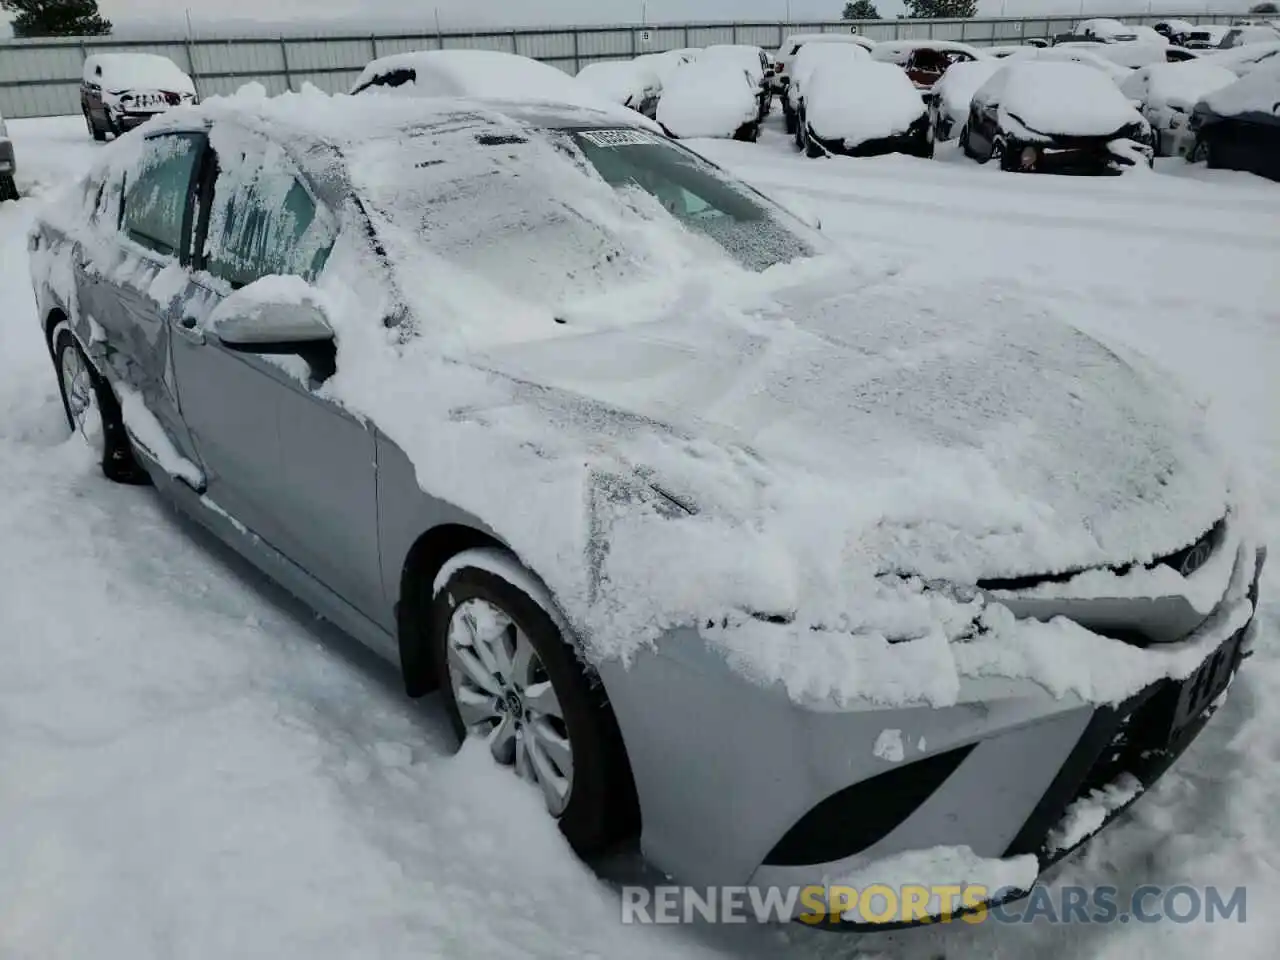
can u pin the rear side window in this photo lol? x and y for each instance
(263, 221)
(157, 193)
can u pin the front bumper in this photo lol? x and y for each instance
(914, 142)
(1079, 156)
(739, 785)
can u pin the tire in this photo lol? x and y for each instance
(964, 141)
(1000, 153)
(812, 148)
(8, 188)
(92, 410)
(1199, 151)
(599, 806)
(789, 120)
(94, 131)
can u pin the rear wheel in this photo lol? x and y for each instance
(92, 410)
(8, 188)
(509, 677)
(1000, 153)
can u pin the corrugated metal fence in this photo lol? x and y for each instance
(41, 77)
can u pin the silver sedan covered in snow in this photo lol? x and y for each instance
(714, 547)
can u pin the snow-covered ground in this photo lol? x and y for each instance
(191, 766)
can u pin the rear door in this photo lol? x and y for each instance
(126, 291)
(291, 466)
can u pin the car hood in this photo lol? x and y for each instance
(971, 437)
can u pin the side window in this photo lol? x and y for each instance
(156, 193)
(263, 221)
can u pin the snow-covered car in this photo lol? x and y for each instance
(8, 165)
(1149, 35)
(924, 60)
(120, 91)
(753, 60)
(1244, 60)
(860, 107)
(485, 74)
(707, 98)
(1244, 36)
(532, 403)
(1175, 31)
(1168, 93)
(1002, 50)
(1044, 117)
(803, 64)
(949, 105)
(791, 47)
(1127, 55)
(1105, 30)
(628, 83)
(1237, 127)
(1205, 36)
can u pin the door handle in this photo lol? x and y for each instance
(189, 328)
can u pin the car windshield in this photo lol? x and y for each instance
(695, 193)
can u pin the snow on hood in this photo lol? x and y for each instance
(708, 100)
(136, 71)
(860, 99)
(1064, 99)
(626, 82)
(1257, 93)
(1246, 59)
(961, 81)
(1179, 85)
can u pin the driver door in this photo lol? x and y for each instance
(292, 467)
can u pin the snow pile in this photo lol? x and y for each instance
(708, 99)
(954, 91)
(856, 100)
(479, 74)
(1176, 85)
(1257, 93)
(136, 71)
(625, 82)
(1065, 99)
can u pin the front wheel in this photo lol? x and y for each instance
(509, 677)
(8, 188)
(94, 131)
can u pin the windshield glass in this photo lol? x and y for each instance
(695, 193)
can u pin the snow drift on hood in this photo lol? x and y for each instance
(859, 100)
(708, 100)
(1067, 99)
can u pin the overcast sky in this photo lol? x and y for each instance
(166, 15)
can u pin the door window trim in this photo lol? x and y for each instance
(183, 253)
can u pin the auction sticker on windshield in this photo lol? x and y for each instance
(618, 138)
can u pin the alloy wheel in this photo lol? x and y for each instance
(82, 398)
(504, 694)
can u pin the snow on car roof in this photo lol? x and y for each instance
(813, 54)
(480, 74)
(1074, 53)
(1176, 84)
(857, 100)
(895, 50)
(748, 57)
(792, 44)
(1105, 27)
(1068, 99)
(136, 71)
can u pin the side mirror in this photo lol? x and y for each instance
(277, 325)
